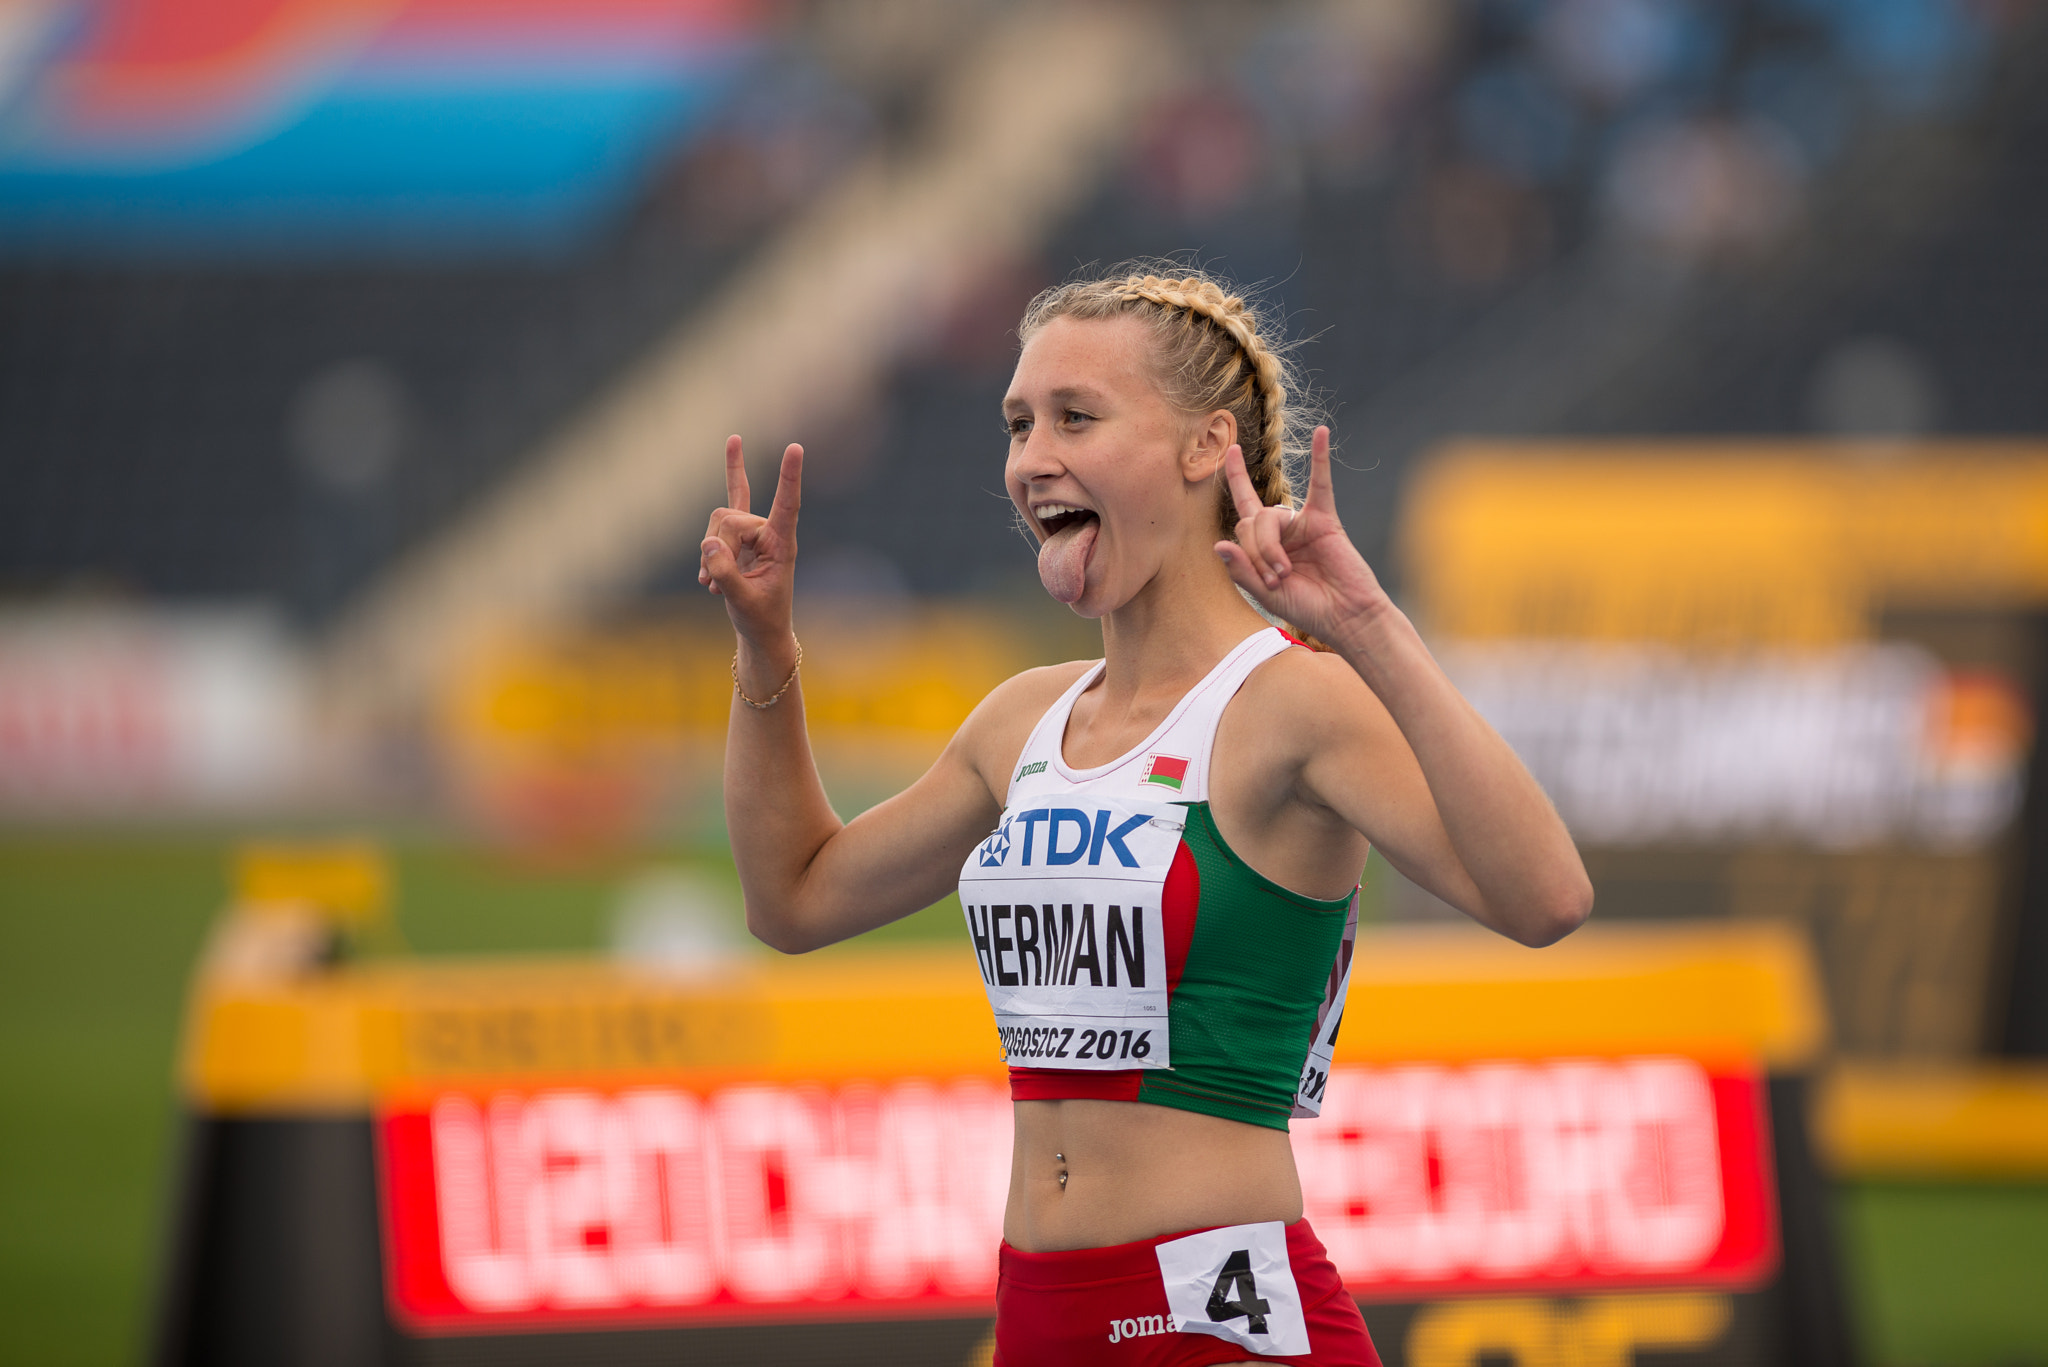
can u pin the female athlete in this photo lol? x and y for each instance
(1158, 852)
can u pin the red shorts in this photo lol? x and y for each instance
(1242, 1293)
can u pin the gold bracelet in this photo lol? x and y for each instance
(764, 706)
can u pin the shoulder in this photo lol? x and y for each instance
(1029, 694)
(996, 730)
(1306, 699)
(1307, 678)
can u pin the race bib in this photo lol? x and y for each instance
(1063, 906)
(1237, 1284)
(1315, 1072)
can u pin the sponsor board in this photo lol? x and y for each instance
(120, 713)
(805, 1160)
(1849, 746)
(1669, 1328)
(1718, 543)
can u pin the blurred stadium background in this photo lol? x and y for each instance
(363, 371)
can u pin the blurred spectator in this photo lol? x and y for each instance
(1610, 51)
(1704, 187)
(1808, 98)
(1512, 116)
(1476, 226)
(1913, 55)
(1198, 153)
(1332, 80)
(349, 425)
(979, 335)
(791, 129)
(1873, 387)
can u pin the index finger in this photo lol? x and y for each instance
(789, 490)
(1321, 492)
(736, 492)
(1241, 492)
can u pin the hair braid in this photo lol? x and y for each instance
(1212, 356)
(1200, 298)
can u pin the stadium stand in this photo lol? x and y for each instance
(1487, 231)
(164, 406)
(794, 338)
(1498, 217)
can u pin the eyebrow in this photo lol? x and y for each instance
(1064, 394)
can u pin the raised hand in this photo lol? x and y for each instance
(1299, 564)
(751, 560)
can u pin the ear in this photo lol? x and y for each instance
(1209, 438)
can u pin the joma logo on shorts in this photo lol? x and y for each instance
(1119, 1330)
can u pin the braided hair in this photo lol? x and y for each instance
(1212, 353)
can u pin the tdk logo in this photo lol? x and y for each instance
(1071, 835)
(996, 848)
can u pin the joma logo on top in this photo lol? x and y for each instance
(1092, 836)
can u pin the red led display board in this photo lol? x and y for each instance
(757, 1200)
(576, 1204)
(1554, 1176)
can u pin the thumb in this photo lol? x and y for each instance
(718, 563)
(1239, 566)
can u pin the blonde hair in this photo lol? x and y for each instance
(1213, 353)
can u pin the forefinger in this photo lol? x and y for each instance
(1321, 492)
(736, 492)
(789, 490)
(1241, 492)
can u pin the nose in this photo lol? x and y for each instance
(1036, 457)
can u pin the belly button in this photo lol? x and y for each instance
(1062, 1160)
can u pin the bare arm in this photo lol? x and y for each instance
(1420, 771)
(808, 878)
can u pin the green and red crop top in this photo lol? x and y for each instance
(1129, 953)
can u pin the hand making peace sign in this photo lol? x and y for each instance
(1299, 564)
(751, 560)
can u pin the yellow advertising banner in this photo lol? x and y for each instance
(334, 1041)
(1721, 542)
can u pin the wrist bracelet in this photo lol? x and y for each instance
(764, 706)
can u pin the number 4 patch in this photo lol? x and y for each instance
(1236, 1294)
(1235, 1283)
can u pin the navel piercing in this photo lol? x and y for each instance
(1063, 1174)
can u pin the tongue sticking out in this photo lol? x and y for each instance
(1063, 559)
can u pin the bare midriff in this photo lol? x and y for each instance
(1087, 1174)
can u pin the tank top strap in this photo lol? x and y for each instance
(1189, 734)
(1043, 747)
(1171, 764)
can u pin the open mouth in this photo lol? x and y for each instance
(1069, 531)
(1054, 518)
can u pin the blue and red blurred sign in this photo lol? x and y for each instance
(295, 125)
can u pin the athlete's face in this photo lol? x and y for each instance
(1115, 482)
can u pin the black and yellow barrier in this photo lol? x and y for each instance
(1944, 1122)
(1558, 1157)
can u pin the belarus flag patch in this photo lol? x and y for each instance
(1166, 771)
